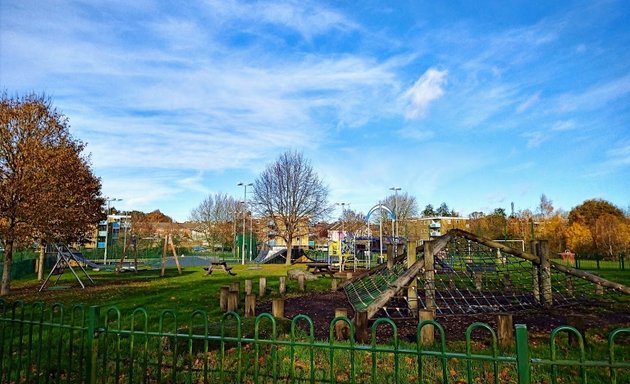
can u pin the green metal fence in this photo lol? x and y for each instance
(40, 344)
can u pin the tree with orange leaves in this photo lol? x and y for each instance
(47, 189)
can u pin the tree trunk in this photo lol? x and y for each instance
(5, 289)
(289, 249)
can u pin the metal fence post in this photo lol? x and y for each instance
(523, 363)
(91, 344)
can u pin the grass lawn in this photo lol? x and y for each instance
(191, 290)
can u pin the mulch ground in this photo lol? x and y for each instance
(320, 307)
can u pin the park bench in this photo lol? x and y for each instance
(319, 269)
(216, 264)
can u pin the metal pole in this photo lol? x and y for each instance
(251, 224)
(245, 185)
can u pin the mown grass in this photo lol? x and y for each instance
(193, 290)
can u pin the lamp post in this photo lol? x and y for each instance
(343, 221)
(244, 185)
(396, 189)
(107, 227)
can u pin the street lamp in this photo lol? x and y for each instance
(107, 227)
(343, 211)
(395, 189)
(244, 185)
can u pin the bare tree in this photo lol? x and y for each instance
(291, 193)
(47, 189)
(545, 207)
(403, 205)
(213, 215)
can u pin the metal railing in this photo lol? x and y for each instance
(40, 344)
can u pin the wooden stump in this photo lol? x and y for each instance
(478, 281)
(283, 285)
(349, 276)
(248, 287)
(341, 328)
(505, 330)
(277, 308)
(235, 286)
(333, 285)
(262, 287)
(577, 322)
(599, 289)
(250, 305)
(361, 327)
(507, 283)
(301, 283)
(223, 297)
(427, 336)
(232, 304)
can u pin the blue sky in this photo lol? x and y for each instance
(476, 104)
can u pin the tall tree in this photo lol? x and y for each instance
(214, 217)
(403, 205)
(428, 211)
(443, 210)
(545, 207)
(290, 192)
(47, 188)
(353, 221)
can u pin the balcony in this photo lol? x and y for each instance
(435, 233)
(435, 225)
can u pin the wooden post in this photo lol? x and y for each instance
(179, 267)
(599, 289)
(427, 336)
(348, 275)
(283, 285)
(507, 282)
(390, 256)
(163, 272)
(301, 283)
(248, 287)
(223, 297)
(478, 281)
(535, 272)
(250, 305)
(505, 330)
(545, 277)
(235, 286)
(429, 275)
(333, 285)
(262, 287)
(361, 327)
(277, 308)
(577, 322)
(232, 303)
(341, 328)
(412, 289)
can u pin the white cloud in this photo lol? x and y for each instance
(563, 125)
(427, 88)
(530, 101)
(534, 139)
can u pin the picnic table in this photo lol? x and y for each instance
(320, 269)
(216, 264)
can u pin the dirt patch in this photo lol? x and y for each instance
(320, 307)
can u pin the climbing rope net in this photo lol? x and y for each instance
(473, 278)
(469, 278)
(361, 293)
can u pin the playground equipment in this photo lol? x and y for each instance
(391, 215)
(460, 273)
(168, 242)
(67, 258)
